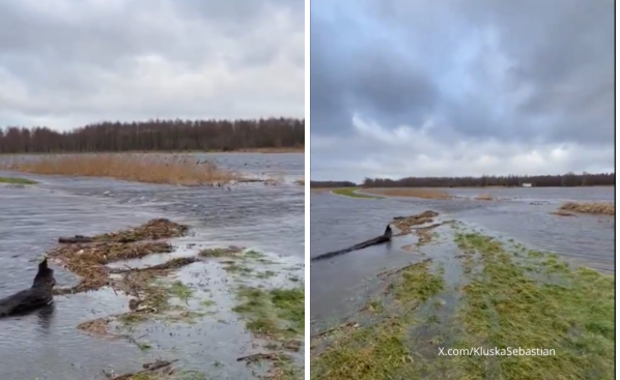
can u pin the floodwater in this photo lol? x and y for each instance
(47, 345)
(341, 285)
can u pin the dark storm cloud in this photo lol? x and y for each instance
(559, 53)
(538, 74)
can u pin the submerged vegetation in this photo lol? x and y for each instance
(272, 315)
(275, 313)
(276, 316)
(17, 181)
(503, 297)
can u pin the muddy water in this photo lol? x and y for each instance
(341, 285)
(269, 219)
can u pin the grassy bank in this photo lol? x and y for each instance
(351, 192)
(17, 181)
(148, 168)
(497, 295)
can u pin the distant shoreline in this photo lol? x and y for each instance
(330, 188)
(242, 150)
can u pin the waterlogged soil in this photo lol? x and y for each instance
(363, 294)
(202, 332)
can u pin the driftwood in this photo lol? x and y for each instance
(150, 370)
(386, 237)
(38, 295)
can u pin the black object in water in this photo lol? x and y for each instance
(386, 237)
(38, 295)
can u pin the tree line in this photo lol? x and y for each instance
(563, 180)
(157, 135)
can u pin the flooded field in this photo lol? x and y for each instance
(421, 287)
(216, 329)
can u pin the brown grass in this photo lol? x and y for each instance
(562, 213)
(158, 370)
(406, 224)
(485, 197)
(89, 260)
(170, 169)
(275, 179)
(424, 193)
(597, 208)
(300, 182)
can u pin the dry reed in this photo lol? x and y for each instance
(293, 149)
(485, 197)
(424, 193)
(406, 224)
(562, 213)
(275, 179)
(148, 168)
(597, 208)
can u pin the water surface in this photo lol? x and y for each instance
(269, 219)
(340, 286)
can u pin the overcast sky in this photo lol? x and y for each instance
(66, 63)
(461, 87)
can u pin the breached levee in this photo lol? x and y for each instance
(386, 237)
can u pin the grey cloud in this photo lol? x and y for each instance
(99, 60)
(500, 87)
(561, 51)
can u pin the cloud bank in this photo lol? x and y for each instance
(467, 87)
(66, 63)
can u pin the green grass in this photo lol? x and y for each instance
(181, 291)
(385, 349)
(237, 268)
(17, 181)
(219, 252)
(351, 192)
(144, 346)
(556, 307)
(252, 254)
(276, 313)
(207, 303)
(266, 274)
(503, 297)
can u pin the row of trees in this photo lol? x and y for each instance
(157, 135)
(332, 184)
(566, 180)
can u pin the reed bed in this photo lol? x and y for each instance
(148, 168)
(415, 192)
(596, 208)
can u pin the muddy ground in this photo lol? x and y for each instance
(193, 313)
(467, 273)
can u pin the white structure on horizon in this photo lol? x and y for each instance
(526, 184)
